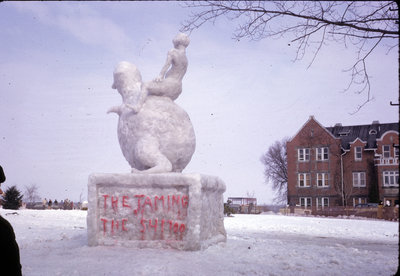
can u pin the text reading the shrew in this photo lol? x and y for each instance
(148, 217)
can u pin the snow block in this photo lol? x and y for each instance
(166, 210)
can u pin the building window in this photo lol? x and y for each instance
(323, 202)
(358, 153)
(358, 179)
(322, 154)
(359, 200)
(322, 180)
(386, 151)
(391, 179)
(396, 151)
(305, 202)
(304, 154)
(304, 180)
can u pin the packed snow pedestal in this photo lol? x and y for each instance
(167, 210)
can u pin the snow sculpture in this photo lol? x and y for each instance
(155, 205)
(154, 133)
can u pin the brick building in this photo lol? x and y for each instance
(343, 165)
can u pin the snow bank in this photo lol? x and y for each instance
(54, 242)
(376, 230)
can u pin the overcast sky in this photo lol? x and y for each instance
(56, 68)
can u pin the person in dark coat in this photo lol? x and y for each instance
(9, 250)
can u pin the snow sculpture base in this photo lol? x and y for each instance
(168, 210)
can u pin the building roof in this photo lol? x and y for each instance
(366, 133)
(312, 118)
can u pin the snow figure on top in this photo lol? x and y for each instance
(154, 133)
(169, 82)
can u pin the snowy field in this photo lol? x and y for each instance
(54, 242)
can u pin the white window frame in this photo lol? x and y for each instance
(359, 179)
(323, 178)
(386, 152)
(358, 155)
(390, 179)
(396, 151)
(305, 202)
(306, 179)
(360, 200)
(322, 154)
(322, 202)
(303, 154)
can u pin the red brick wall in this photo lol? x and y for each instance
(350, 165)
(312, 136)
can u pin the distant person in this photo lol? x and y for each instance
(44, 202)
(9, 250)
(2, 176)
(50, 203)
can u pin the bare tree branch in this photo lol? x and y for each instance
(364, 24)
(364, 72)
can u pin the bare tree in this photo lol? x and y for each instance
(31, 193)
(311, 24)
(250, 194)
(343, 186)
(275, 169)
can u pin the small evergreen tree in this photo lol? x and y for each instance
(12, 198)
(228, 210)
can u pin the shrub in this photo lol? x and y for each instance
(12, 198)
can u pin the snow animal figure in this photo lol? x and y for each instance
(155, 134)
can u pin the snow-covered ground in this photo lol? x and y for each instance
(54, 242)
